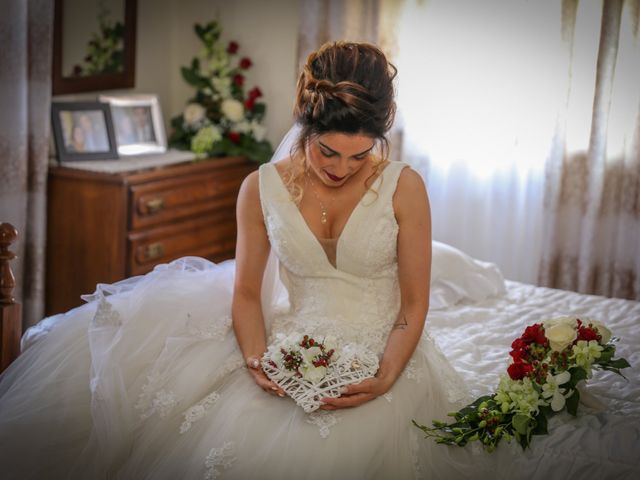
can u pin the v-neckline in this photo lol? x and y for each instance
(308, 228)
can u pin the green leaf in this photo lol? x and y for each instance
(572, 403)
(540, 427)
(192, 78)
(619, 363)
(521, 423)
(577, 374)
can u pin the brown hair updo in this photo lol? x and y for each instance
(344, 87)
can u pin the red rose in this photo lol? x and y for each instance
(534, 334)
(518, 344)
(519, 370)
(234, 137)
(238, 79)
(587, 333)
(232, 47)
(249, 103)
(245, 63)
(255, 93)
(518, 355)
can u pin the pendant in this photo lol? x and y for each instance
(323, 218)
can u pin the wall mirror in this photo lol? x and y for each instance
(94, 44)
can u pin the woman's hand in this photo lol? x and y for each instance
(261, 378)
(357, 394)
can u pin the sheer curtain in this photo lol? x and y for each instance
(592, 203)
(478, 96)
(523, 117)
(26, 32)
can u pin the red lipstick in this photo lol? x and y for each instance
(333, 177)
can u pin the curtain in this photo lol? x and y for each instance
(592, 202)
(477, 99)
(26, 33)
(523, 119)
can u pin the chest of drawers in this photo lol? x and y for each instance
(103, 227)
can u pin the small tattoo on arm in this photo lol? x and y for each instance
(401, 323)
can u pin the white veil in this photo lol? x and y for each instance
(274, 294)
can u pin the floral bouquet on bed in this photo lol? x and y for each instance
(549, 360)
(309, 369)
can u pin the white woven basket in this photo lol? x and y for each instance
(353, 365)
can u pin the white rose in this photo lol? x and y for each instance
(314, 374)
(571, 321)
(232, 109)
(193, 114)
(309, 354)
(560, 336)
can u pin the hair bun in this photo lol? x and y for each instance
(346, 87)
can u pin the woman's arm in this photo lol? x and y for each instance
(252, 252)
(411, 206)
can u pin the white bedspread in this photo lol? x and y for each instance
(602, 442)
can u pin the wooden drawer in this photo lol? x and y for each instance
(172, 199)
(103, 227)
(212, 237)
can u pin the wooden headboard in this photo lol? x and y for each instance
(10, 311)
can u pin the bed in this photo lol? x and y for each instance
(475, 315)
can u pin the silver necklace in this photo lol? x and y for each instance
(323, 211)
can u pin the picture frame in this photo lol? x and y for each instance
(138, 123)
(83, 131)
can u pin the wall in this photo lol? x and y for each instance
(266, 31)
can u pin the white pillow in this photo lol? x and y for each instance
(456, 276)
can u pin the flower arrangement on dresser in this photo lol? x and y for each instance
(220, 119)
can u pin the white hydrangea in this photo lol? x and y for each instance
(518, 396)
(222, 85)
(259, 131)
(242, 127)
(585, 353)
(204, 139)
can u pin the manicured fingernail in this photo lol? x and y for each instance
(255, 363)
(343, 390)
(275, 389)
(281, 394)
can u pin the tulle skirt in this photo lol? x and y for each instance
(146, 380)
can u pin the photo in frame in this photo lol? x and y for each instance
(138, 124)
(83, 131)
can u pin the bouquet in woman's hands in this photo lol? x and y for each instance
(309, 369)
(549, 360)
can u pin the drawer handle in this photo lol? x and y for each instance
(155, 205)
(153, 250)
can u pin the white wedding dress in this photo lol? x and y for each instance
(146, 380)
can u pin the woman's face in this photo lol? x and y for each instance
(336, 157)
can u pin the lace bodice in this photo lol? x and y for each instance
(358, 298)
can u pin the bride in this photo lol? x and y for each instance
(159, 376)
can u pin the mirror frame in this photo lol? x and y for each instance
(126, 79)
